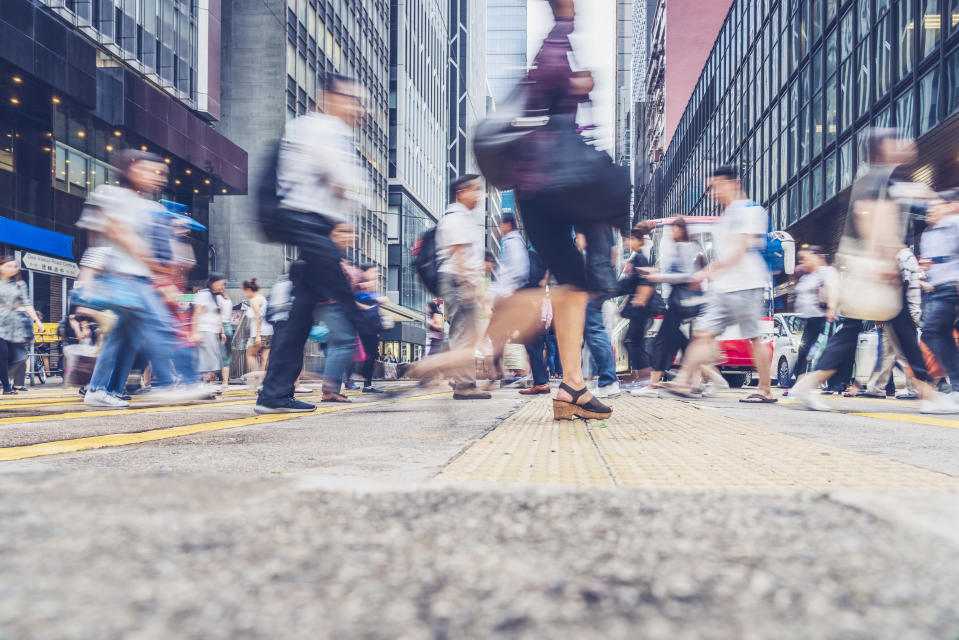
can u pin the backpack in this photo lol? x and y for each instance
(537, 268)
(775, 246)
(426, 262)
(268, 200)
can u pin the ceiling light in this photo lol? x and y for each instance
(15, 100)
(17, 79)
(143, 148)
(81, 134)
(177, 181)
(56, 100)
(224, 191)
(166, 160)
(207, 181)
(117, 133)
(196, 191)
(109, 147)
(188, 171)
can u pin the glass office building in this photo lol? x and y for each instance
(505, 45)
(790, 90)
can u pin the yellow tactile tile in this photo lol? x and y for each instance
(669, 444)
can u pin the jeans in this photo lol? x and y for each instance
(636, 340)
(371, 345)
(597, 340)
(149, 329)
(812, 328)
(318, 277)
(553, 362)
(537, 363)
(600, 272)
(461, 313)
(937, 328)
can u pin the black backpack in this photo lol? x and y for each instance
(537, 269)
(426, 262)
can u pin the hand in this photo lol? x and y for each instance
(700, 276)
(194, 336)
(222, 338)
(258, 341)
(831, 315)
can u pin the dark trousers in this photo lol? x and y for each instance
(317, 277)
(7, 350)
(938, 325)
(537, 361)
(371, 345)
(812, 329)
(669, 340)
(636, 340)
(840, 351)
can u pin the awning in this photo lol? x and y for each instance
(27, 236)
(401, 314)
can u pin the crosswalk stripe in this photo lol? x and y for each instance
(913, 418)
(74, 445)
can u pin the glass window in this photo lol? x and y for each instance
(865, 18)
(61, 166)
(805, 205)
(952, 82)
(815, 20)
(931, 26)
(830, 177)
(816, 124)
(904, 112)
(845, 35)
(863, 63)
(862, 143)
(831, 52)
(794, 130)
(816, 67)
(817, 193)
(907, 37)
(883, 39)
(832, 113)
(845, 164)
(953, 14)
(77, 171)
(929, 101)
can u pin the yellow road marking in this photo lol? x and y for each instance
(74, 445)
(74, 400)
(910, 417)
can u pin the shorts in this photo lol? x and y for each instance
(727, 308)
(265, 342)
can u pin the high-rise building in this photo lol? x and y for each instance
(275, 54)
(624, 80)
(81, 80)
(790, 91)
(506, 36)
(681, 33)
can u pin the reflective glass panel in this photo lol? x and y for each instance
(907, 37)
(929, 101)
(931, 26)
(904, 112)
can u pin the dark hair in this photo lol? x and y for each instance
(680, 223)
(124, 161)
(727, 171)
(4, 260)
(215, 277)
(330, 80)
(366, 266)
(508, 218)
(640, 230)
(814, 248)
(251, 284)
(489, 257)
(434, 308)
(461, 184)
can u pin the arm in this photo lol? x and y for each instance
(257, 306)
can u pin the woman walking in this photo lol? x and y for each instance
(371, 324)
(17, 319)
(261, 332)
(817, 295)
(211, 319)
(638, 307)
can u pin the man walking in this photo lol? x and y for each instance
(317, 178)
(460, 249)
(737, 278)
(939, 247)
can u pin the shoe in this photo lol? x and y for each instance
(535, 390)
(302, 389)
(471, 393)
(805, 398)
(224, 388)
(19, 388)
(645, 392)
(289, 405)
(172, 395)
(82, 391)
(939, 405)
(372, 390)
(125, 397)
(907, 395)
(142, 390)
(10, 392)
(103, 399)
(609, 391)
(593, 409)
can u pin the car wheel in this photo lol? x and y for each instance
(782, 371)
(735, 380)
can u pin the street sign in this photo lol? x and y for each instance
(53, 266)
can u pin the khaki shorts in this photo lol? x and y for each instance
(726, 308)
(265, 342)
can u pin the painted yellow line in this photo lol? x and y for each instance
(911, 417)
(72, 399)
(121, 439)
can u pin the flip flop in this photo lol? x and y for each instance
(682, 393)
(336, 397)
(757, 398)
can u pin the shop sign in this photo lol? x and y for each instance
(53, 266)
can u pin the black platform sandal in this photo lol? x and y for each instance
(591, 410)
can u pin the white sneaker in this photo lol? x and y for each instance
(609, 391)
(103, 399)
(302, 389)
(645, 392)
(172, 395)
(939, 405)
(224, 388)
(806, 399)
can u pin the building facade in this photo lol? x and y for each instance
(275, 54)
(790, 91)
(506, 36)
(80, 81)
(624, 81)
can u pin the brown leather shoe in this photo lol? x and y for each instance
(532, 391)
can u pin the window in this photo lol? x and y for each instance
(883, 39)
(929, 101)
(863, 60)
(907, 37)
(953, 15)
(865, 18)
(830, 178)
(832, 54)
(816, 124)
(931, 26)
(815, 20)
(846, 89)
(952, 82)
(831, 111)
(904, 112)
(883, 120)
(845, 164)
(817, 193)
(832, 6)
(845, 35)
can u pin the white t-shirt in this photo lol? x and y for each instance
(226, 308)
(460, 226)
(210, 313)
(807, 292)
(743, 217)
(266, 329)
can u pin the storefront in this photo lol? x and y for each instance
(45, 258)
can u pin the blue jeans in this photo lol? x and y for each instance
(553, 362)
(600, 349)
(148, 329)
(537, 364)
(340, 346)
(937, 327)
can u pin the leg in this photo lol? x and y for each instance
(285, 366)
(341, 347)
(639, 362)
(811, 330)
(882, 374)
(937, 331)
(761, 362)
(839, 351)
(537, 364)
(370, 343)
(463, 330)
(569, 318)
(597, 340)
(906, 335)
(5, 365)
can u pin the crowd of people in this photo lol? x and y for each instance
(530, 314)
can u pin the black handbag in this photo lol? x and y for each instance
(686, 302)
(581, 184)
(498, 136)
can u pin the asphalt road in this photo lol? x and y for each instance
(204, 522)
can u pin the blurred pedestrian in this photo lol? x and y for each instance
(211, 319)
(939, 247)
(17, 319)
(817, 297)
(639, 307)
(435, 329)
(371, 323)
(260, 340)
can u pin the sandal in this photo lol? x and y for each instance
(758, 398)
(335, 397)
(590, 410)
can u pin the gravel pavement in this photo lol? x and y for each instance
(178, 556)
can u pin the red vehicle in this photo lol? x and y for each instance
(736, 362)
